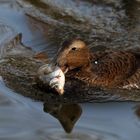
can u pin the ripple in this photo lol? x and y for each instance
(80, 134)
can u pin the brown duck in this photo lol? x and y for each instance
(105, 69)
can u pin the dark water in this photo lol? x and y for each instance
(109, 24)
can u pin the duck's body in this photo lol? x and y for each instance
(108, 69)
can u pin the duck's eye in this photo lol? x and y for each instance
(74, 48)
(96, 62)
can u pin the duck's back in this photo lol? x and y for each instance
(113, 68)
(133, 81)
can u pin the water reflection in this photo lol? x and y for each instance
(67, 114)
(137, 110)
(23, 118)
(108, 121)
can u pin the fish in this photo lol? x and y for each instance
(53, 76)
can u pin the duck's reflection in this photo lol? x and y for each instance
(67, 114)
(137, 110)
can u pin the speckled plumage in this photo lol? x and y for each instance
(106, 69)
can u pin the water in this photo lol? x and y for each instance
(23, 118)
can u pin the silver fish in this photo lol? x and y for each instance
(53, 76)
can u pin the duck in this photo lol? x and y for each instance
(103, 69)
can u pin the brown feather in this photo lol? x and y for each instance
(106, 69)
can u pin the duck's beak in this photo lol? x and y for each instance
(64, 69)
(62, 66)
(61, 62)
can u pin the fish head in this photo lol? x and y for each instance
(59, 89)
(58, 85)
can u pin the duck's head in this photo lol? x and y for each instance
(73, 54)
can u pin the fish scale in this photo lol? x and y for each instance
(53, 76)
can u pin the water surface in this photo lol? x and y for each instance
(23, 118)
